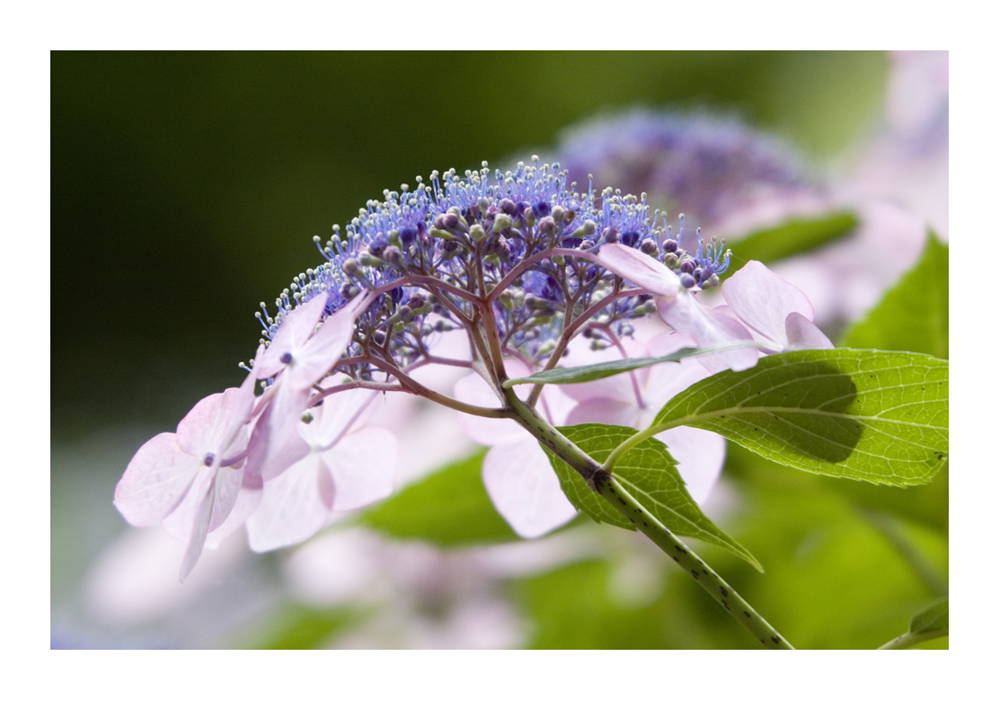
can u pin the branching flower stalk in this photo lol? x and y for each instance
(520, 266)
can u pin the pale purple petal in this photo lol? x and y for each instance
(251, 491)
(474, 390)
(525, 489)
(156, 480)
(226, 491)
(295, 328)
(318, 354)
(606, 411)
(336, 416)
(668, 379)
(619, 388)
(363, 465)
(803, 334)
(700, 455)
(199, 532)
(275, 427)
(709, 328)
(762, 300)
(182, 520)
(202, 429)
(241, 406)
(291, 508)
(640, 269)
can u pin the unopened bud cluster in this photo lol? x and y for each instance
(434, 253)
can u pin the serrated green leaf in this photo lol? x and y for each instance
(449, 508)
(879, 416)
(913, 316)
(793, 237)
(597, 371)
(649, 473)
(932, 619)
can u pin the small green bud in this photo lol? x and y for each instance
(477, 233)
(502, 221)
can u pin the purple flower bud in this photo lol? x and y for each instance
(688, 266)
(611, 234)
(405, 313)
(286, 357)
(351, 266)
(507, 206)
(542, 209)
(547, 226)
(416, 300)
(687, 280)
(407, 235)
(630, 238)
(392, 255)
(670, 246)
(649, 247)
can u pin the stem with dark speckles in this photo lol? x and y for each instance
(728, 598)
(910, 639)
(604, 484)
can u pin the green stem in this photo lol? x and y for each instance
(910, 639)
(710, 581)
(604, 484)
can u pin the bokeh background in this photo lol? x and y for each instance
(186, 189)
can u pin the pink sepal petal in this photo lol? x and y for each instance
(363, 465)
(197, 517)
(202, 429)
(668, 379)
(525, 489)
(291, 451)
(762, 300)
(640, 269)
(473, 389)
(318, 354)
(336, 416)
(802, 334)
(617, 387)
(295, 329)
(247, 501)
(199, 532)
(685, 314)
(700, 456)
(155, 481)
(292, 507)
(605, 411)
(275, 426)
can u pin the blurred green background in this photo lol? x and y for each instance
(186, 189)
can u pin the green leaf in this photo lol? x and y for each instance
(649, 473)
(597, 371)
(932, 619)
(913, 316)
(296, 627)
(794, 236)
(449, 508)
(879, 416)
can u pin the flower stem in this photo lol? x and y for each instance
(910, 639)
(602, 482)
(710, 581)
